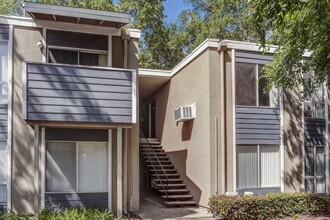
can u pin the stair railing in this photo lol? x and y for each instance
(150, 149)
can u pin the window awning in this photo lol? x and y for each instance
(76, 15)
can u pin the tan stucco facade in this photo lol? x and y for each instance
(25, 152)
(188, 143)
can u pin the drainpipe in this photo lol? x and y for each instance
(222, 48)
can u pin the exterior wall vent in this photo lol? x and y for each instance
(185, 113)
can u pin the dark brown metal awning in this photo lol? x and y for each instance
(76, 15)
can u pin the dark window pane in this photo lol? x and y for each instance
(263, 93)
(89, 59)
(319, 161)
(309, 161)
(309, 185)
(61, 167)
(63, 56)
(245, 84)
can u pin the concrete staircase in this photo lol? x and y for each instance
(166, 180)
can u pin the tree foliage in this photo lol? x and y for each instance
(297, 26)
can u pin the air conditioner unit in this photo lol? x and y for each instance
(185, 113)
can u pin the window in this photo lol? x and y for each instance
(258, 166)
(76, 167)
(314, 100)
(249, 90)
(3, 71)
(3, 173)
(315, 169)
(76, 57)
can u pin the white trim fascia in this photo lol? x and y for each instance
(134, 33)
(233, 62)
(282, 141)
(31, 7)
(208, 43)
(154, 73)
(10, 114)
(134, 97)
(55, 25)
(248, 46)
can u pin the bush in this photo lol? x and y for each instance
(66, 214)
(270, 206)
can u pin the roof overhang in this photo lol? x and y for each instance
(76, 15)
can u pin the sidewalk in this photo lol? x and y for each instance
(152, 207)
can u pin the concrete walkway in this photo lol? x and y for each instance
(152, 207)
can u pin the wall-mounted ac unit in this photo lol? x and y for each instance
(185, 113)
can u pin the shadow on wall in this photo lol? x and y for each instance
(292, 139)
(186, 130)
(179, 160)
(161, 107)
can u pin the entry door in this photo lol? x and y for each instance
(315, 169)
(152, 119)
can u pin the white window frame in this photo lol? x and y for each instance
(259, 167)
(5, 101)
(77, 165)
(315, 177)
(78, 50)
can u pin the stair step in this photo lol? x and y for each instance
(149, 139)
(157, 153)
(177, 197)
(164, 166)
(152, 146)
(168, 175)
(161, 171)
(150, 142)
(174, 190)
(171, 185)
(152, 157)
(169, 180)
(153, 150)
(181, 202)
(163, 162)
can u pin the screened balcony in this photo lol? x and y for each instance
(71, 93)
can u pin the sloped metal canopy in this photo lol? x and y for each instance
(76, 15)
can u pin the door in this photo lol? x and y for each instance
(152, 119)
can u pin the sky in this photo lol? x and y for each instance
(172, 8)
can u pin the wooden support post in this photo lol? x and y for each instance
(110, 169)
(119, 172)
(36, 170)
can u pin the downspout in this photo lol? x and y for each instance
(222, 48)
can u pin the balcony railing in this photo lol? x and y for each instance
(67, 93)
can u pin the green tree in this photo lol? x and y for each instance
(221, 19)
(297, 26)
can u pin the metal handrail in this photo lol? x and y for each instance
(153, 166)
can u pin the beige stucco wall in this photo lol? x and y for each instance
(188, 143)
(25, 49)
(293, 141)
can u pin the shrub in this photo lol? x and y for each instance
(66, 214)
(270, 206)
